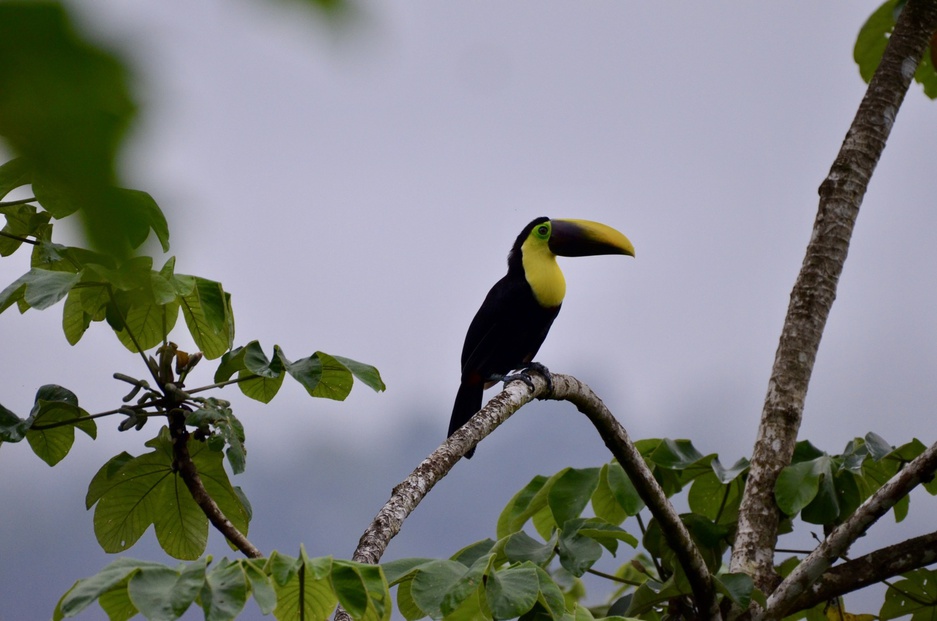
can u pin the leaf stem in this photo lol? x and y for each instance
(602, 574)
(21, 201)
(24, 240)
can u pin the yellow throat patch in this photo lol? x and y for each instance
(540, 268)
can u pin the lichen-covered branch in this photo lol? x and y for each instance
(812, 297)
(837, 543)
(408, 494)
(870, 569)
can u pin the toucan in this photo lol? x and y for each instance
(514, 319)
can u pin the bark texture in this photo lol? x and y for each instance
(812, 297)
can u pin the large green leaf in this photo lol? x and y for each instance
(320, 374)
(308, 592)
(224, 591)
(54, 405)
(84, 592)
(914, 596)
(13, 174)
(207, 312)
(368, 374)
(163, 593)
(45, 288)
(361, 590)
(799, 483)
(513, 591)
(571, 492)
(431, 583)
(131, 494)
(603, 500)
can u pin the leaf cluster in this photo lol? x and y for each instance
(288, 587)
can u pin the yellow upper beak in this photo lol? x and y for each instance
(580, 238)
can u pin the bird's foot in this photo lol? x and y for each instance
(524, 376)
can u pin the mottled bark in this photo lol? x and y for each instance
(870, 569)
(812, 297)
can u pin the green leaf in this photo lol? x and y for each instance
(474, 551)
(268, 374)
(144, 320)
(824, 508)
(603, 500)
(12, 427)
(623, 489)
(737, 587)
(516, 512)
(878, 447)
(22, 221)
(74, 319)
(262, 586)
(117, 605)
(131, 494)
(13, 174)
(52, 445)
(45, 288)
(162, 593)
(675, 454)
(551, 597)
(799, 483)
(577, 551)
(368, 374)
(84, 592)
(520, 546)
(513, 591)
(55, 404)
(145, 215)
(218, 416)
(349, 587)
(914, 595)
(432, 582)
(872, 39)
(207, 312)
(13, 294)
(608, 535)
(571, 492)
(224, 591)
(399, 569)
(308, 594)
(320, 374)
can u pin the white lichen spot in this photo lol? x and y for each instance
(908, 67)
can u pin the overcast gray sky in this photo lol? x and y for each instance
(358, 190)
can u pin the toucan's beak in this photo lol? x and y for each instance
(581, 238)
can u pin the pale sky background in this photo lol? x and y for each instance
(357, 190)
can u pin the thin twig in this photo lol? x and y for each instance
(24, 240)
(21, 201)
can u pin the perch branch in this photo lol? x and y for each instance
(812, 297)
(408, 494)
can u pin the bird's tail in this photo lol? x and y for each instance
(467, 401)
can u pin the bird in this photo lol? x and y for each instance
(513, 321)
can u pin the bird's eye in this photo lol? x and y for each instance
(543, 230)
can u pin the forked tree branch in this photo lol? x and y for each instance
(837, 543)
(408, 494)
(870, 569)
(812, 297)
